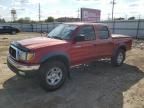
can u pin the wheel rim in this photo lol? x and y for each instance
(120, 58)
(54, 76)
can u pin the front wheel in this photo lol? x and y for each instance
(52, 75)
(118, 58)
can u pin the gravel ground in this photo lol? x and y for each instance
(95, 85)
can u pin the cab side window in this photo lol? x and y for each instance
(104, 33)
(88, 33)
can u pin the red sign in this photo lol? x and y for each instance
(90, 15)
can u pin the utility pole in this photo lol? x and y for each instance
(39, 11)
(108, 16)
(113, 3)
(126, 17)
(139, 17)
(78, 14)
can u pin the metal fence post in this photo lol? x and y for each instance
(10, 24)
(138, 26)
(47, 28)
(113, 26)
(31, 27)
(41, 27)
(36, 27)
(21, 26)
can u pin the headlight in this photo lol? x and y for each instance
(21, 55)
(30, 56)
(25, 56)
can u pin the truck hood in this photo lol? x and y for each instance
(39, 42)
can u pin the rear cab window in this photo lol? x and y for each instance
(88, 32)
(103, 32)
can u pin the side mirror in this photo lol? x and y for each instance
(81, 37)
(44, 33)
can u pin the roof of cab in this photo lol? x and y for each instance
(85, 23)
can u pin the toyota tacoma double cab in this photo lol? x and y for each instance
(67, 45)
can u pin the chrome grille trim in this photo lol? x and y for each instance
(16, 52)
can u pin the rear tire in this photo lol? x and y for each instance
(52, 75)
(118, 58)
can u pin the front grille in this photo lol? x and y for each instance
(12, 52)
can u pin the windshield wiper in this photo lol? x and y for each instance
(56, 37)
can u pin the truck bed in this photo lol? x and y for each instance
(124, 39)
(119, 36)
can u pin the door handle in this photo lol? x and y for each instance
(77, 46)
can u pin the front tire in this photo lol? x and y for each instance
(118, 58)
(52, 75)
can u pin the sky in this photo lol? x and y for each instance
(69, 8)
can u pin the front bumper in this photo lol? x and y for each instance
(19, 67)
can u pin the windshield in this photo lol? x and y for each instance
(63, 31)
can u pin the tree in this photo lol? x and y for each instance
(2, 20)
(119, 18)
(67, 19)
(23, 20)
(49, 19)
(131, 18)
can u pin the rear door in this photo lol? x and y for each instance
(83, 51)
(104, 44)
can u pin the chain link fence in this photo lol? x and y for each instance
(134, 28)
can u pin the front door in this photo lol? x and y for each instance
(83, 50)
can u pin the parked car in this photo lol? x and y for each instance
(67, 45)
(9, 29)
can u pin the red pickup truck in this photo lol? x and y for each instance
(67, 45)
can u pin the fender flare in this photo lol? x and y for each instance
(53, 55)
(119, 46)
